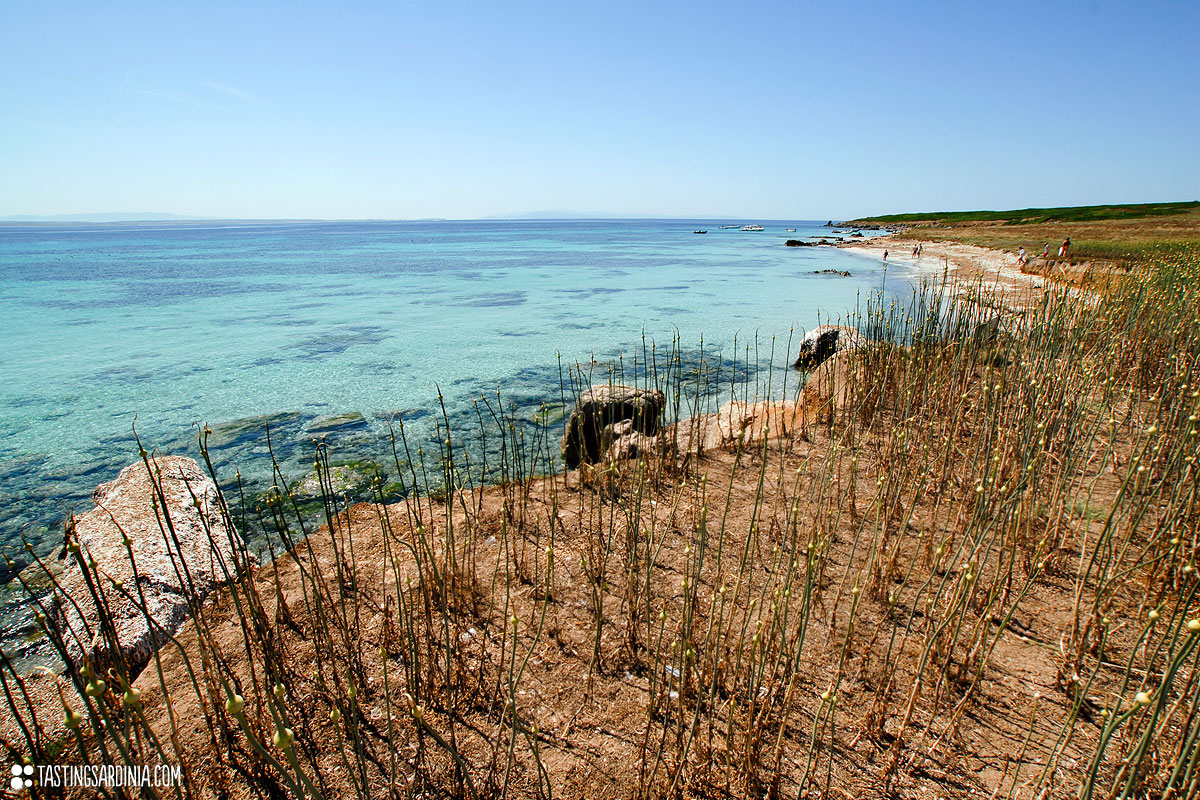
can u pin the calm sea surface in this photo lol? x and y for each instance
(221, 323)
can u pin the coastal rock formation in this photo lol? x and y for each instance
(828, 387)
(845, 273)
(822, 342)
(182, 552)
(737, 422)
(620, 441)
(591, 428)
(798, 243)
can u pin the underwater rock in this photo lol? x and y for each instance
(823, 341)
(180, 546)
(248, 429)
(351, 478)
(600, 407)
(338, 423)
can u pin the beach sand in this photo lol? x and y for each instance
(998, 270)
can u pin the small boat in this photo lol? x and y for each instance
(752, 228)
(789, 230)
(699, 231)
(728, 227)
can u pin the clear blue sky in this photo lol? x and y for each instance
(463, 109)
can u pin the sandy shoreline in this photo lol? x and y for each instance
(997, 270)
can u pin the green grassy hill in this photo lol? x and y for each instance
(1033, 216)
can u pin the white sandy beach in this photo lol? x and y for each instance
(966, 263)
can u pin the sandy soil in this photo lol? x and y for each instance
(998, 270)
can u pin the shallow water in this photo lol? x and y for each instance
(177, 325)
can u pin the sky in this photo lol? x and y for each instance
(406, 109)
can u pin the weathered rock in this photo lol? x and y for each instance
(600, 407)
(798, 243)
(39, 578)
(737, 422)
(823, 341)
(181, 554)
(845, 273)
(987, 332)
(828, 388)
(619, 441)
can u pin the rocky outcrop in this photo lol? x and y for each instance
(142, 548)
(828, 389)
(620, 441)
(736, 423)
(594, 427)
(799, 243)
(822, 342)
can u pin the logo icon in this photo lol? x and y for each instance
(22, 777)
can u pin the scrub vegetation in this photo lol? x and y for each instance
(970, 570)
(1125, 235)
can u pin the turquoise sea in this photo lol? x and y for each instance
(177, 325)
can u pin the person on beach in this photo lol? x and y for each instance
(1021, 259)
(920, 248)
(1046, 251)
(1062, 251)
(885, 255)
(914, 251)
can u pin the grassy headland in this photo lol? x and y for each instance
(1123, 234)
(968, 568)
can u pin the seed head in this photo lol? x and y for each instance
(283, 738)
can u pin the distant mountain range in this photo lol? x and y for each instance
(568, 214)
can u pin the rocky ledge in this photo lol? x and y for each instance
(155, 541)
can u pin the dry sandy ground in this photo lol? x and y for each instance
(997, 269)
